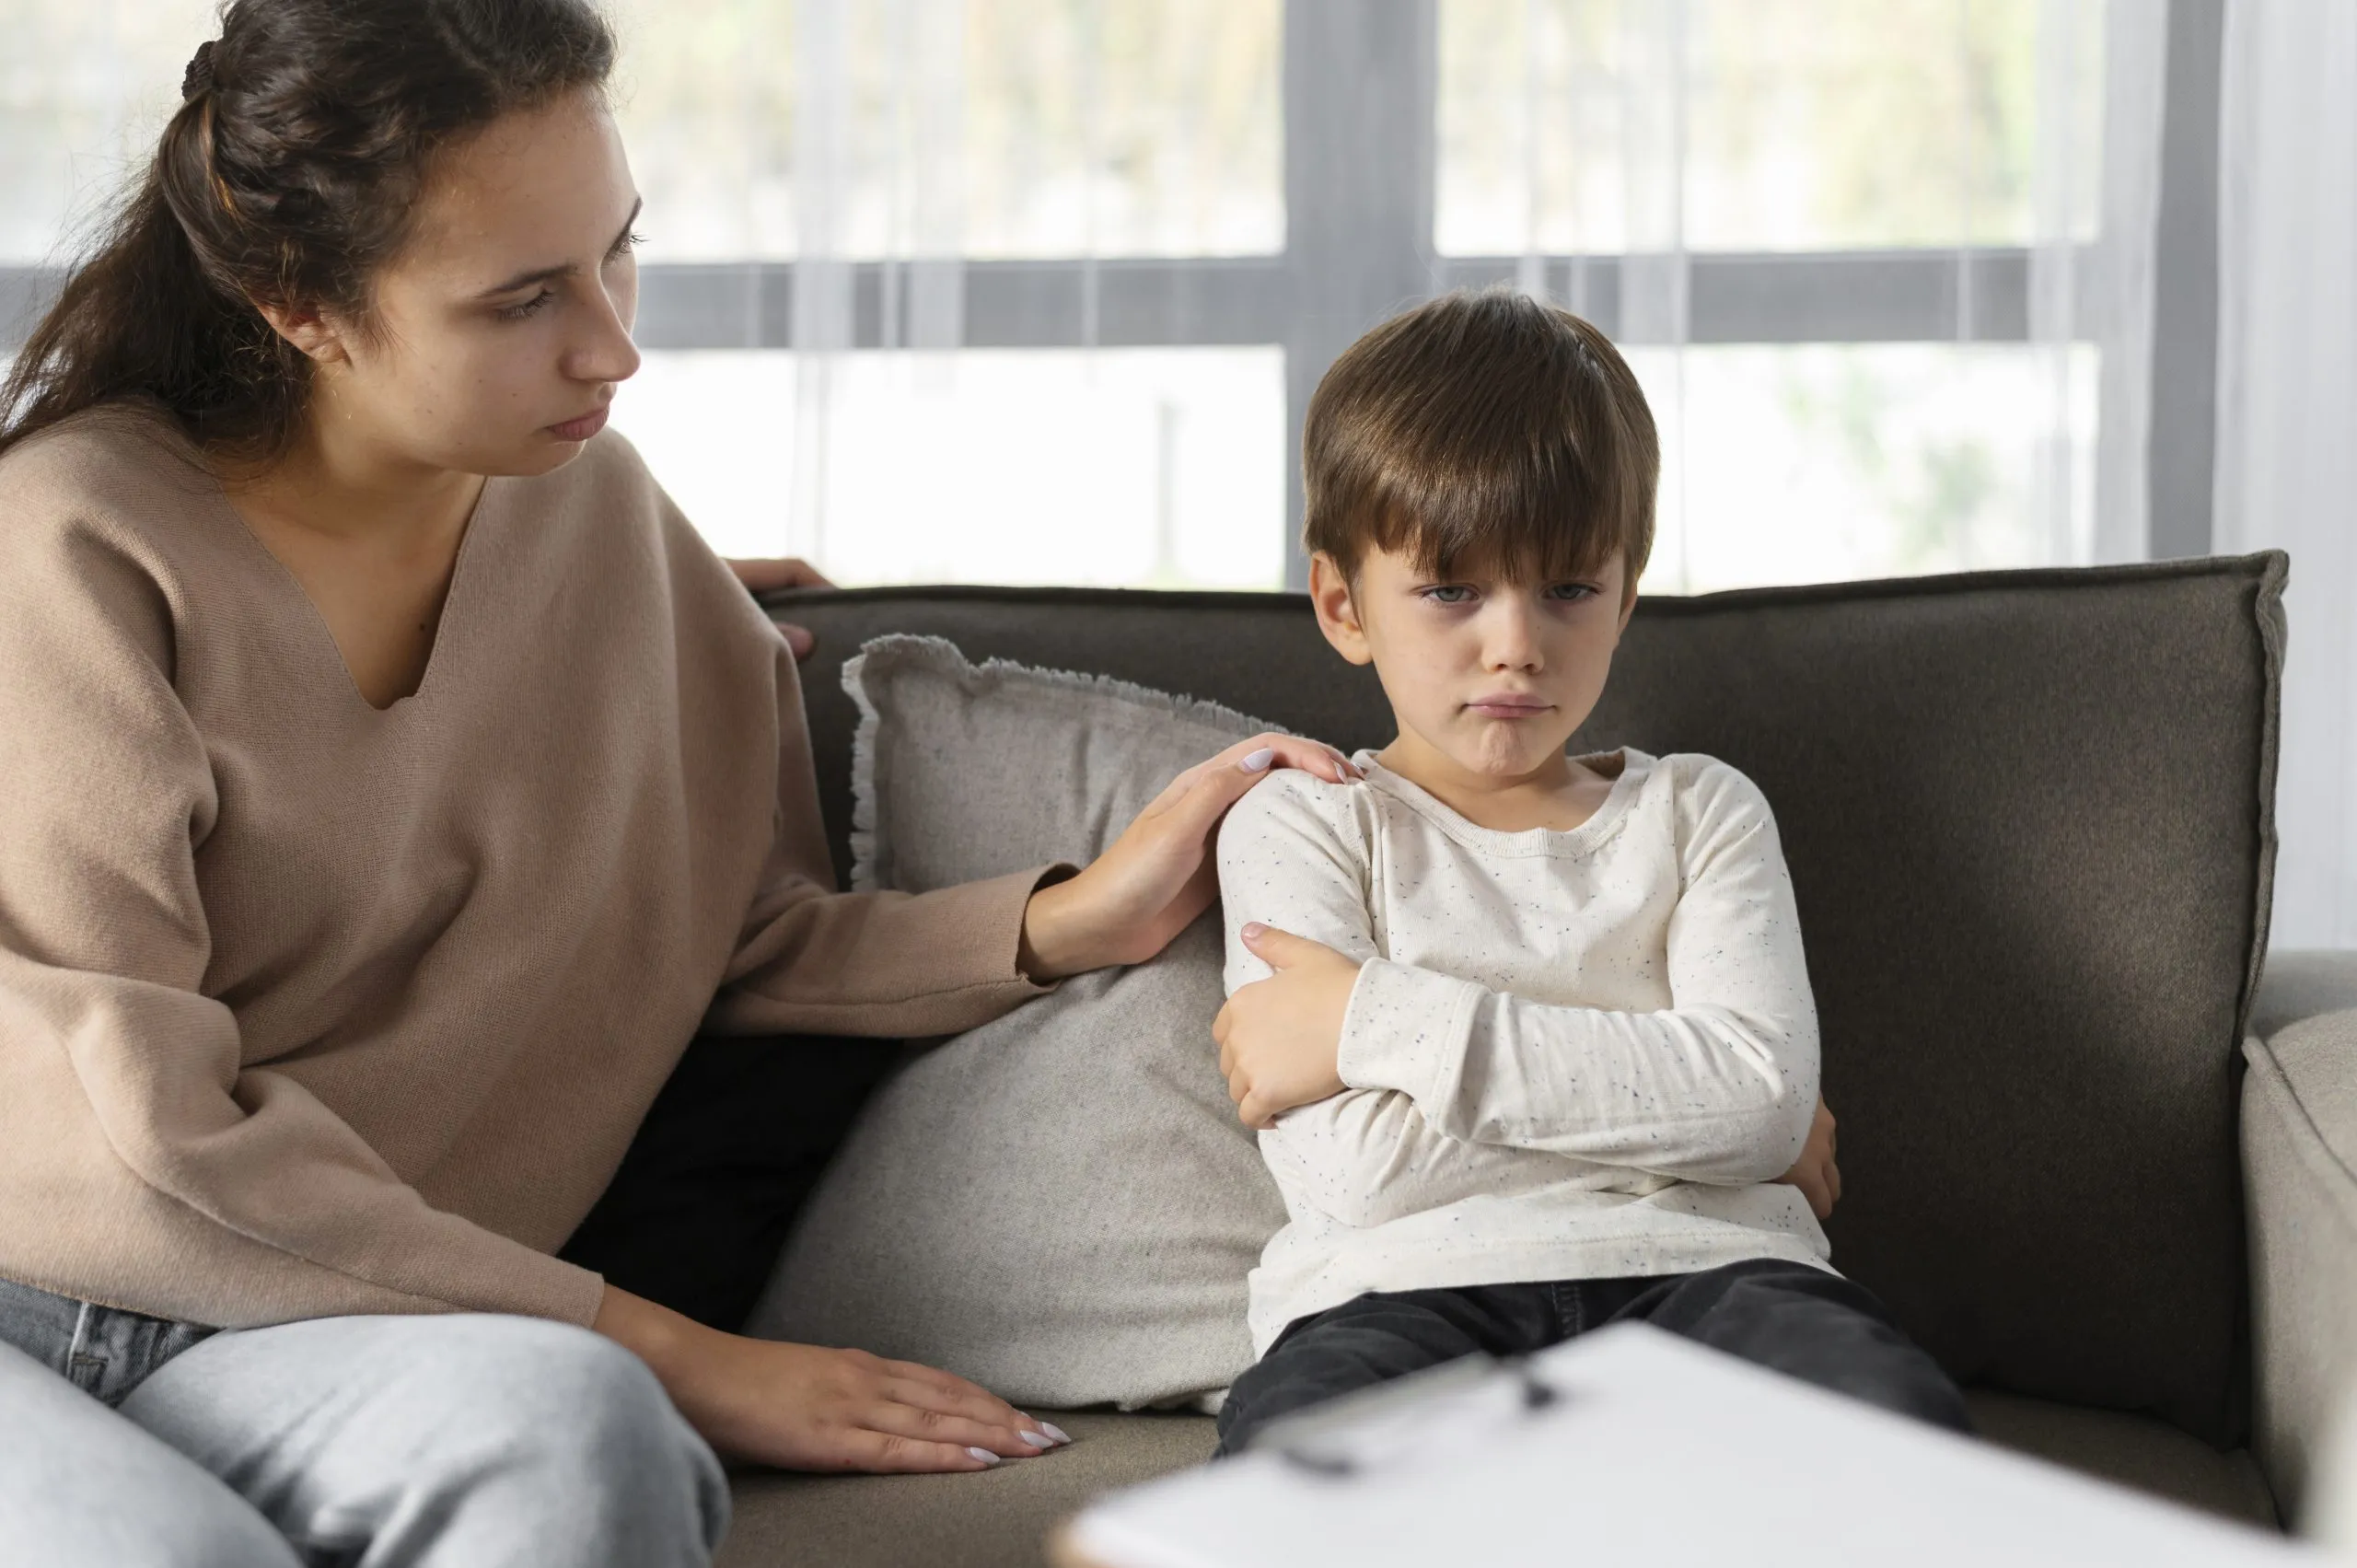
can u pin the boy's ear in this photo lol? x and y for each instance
(1337, 616)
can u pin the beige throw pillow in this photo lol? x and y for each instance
(1060, 1205)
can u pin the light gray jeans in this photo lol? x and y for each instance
(458, 1442)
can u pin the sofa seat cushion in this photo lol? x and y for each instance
(993, 1519)
(2134, 1450)
(1000, 1518)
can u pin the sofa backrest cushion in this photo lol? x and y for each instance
(2029, 820)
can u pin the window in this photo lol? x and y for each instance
(1037, 290)
(84, 91)
(1801, 124)
(1151, 468)
(1002, 128)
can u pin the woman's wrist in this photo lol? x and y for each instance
(661, 1338)
(1056, 935)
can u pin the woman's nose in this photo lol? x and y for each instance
(605, 352)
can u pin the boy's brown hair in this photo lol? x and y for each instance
(1482, 431)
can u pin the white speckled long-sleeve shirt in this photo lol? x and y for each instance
(1583, 1054)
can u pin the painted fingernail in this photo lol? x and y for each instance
(1258, 763)
(984, 1455)
(1058, 1432)
(1037, 1439)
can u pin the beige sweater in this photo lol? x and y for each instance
(307, 1008)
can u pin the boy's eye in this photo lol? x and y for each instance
(625, 246)
(1448, 593)
(1573, 592)
(531, 307)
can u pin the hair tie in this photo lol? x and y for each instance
(198, 77)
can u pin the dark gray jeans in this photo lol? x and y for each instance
(1817, 1326)
(459, 1441)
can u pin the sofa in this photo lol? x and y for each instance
(2100, 1158)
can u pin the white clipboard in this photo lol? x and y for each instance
(1631, 1445)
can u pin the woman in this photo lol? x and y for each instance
(380, 832)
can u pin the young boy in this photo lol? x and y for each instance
(1529, 1037)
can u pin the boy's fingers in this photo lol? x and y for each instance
(1281, 949)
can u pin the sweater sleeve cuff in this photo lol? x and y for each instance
(1405, 1030)
(564, 1292)
(982, 927)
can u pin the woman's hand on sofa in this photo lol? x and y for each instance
(1160, 874)
(804, 1408)
(762, 575)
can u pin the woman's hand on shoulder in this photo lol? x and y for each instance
(805, 1408)
(1160, 874)
(765, 575)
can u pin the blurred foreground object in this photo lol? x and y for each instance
(2332, 1490)
(1567, 1453)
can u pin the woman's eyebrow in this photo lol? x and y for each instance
(543, 275)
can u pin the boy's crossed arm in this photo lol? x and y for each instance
(1721, 1088)
(1362, 1156)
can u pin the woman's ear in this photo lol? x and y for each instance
(1337, 615)
(310, 331)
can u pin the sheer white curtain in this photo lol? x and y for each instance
(905, 158)
(1004, 266)
(1644, 130)
(2109, 293)
(2287, 414)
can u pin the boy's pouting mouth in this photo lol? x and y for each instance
(1488, 674)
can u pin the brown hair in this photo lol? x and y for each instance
(287, 177)
(1482, 430)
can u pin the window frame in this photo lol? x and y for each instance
(1360, 80)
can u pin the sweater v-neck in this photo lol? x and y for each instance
(448, 621)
